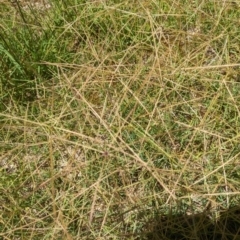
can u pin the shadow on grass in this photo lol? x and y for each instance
(198, 226)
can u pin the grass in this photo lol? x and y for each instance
(119, 120)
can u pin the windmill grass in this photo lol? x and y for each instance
(119, 120)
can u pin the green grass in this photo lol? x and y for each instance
(120, 120)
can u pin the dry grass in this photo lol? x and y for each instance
(120, 121)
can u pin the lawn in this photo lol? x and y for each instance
(119, 119)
